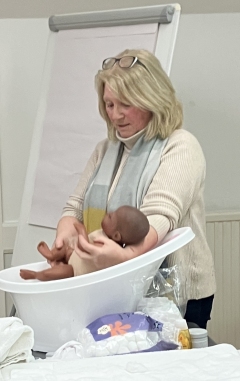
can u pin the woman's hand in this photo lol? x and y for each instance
(104, 252)
(68, 230)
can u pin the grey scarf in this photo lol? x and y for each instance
(141, 166)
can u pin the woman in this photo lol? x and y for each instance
(148, 162)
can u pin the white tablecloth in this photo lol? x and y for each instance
(220, 362)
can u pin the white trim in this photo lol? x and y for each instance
(223, 216)
(9, 231)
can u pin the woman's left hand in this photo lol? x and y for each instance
(104, 252)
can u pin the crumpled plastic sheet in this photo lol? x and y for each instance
(217, 363)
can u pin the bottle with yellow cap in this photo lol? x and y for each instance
(184, 337)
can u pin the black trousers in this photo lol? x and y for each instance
(199, 311)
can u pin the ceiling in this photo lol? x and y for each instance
(47, 8)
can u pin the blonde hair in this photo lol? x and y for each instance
(148, 88)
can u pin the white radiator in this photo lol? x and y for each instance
(223, 234)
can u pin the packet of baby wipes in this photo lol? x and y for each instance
(124, 333)
(153, 327)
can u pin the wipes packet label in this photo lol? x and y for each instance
(120, 324)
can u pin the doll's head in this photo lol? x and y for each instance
(126, 225)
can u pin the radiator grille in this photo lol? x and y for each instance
(223, 232)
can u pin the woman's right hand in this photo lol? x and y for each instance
(68, 230)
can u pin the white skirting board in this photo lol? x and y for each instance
(223, 234)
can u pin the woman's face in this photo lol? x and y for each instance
(127, 119)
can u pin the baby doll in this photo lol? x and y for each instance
(126, 226)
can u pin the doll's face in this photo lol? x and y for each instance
(110, 225)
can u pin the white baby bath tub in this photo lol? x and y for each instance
(58, 310)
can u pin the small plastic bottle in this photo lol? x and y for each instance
(184, 335)
(199, 337)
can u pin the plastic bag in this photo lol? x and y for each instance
(174, 326)
(169, 283)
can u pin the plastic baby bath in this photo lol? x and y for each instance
(58, 310)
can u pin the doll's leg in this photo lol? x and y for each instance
(55, 255)
(57, 272)
(44, 250)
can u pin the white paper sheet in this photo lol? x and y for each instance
(72, 125)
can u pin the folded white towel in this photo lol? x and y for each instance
(16, 341)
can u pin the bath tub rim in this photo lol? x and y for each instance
(172, 242)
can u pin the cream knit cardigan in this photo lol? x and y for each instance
(174, 199)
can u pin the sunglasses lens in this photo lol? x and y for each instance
(126, 61)
(108, 63)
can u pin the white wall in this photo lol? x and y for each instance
(206, 75)
(23, 46)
